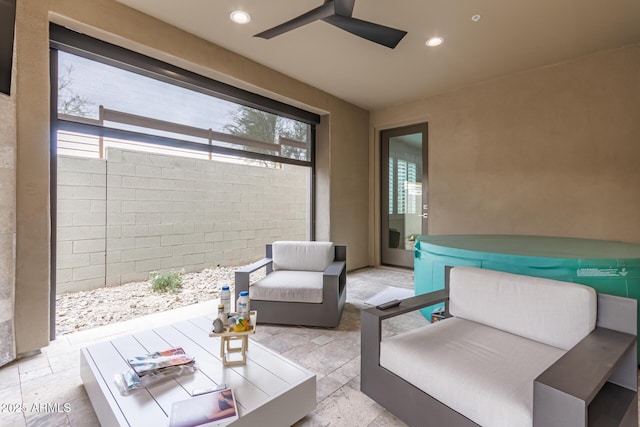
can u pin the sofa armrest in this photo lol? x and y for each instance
(371, 324)
(409, 304)
(242, 274)
(374, 316)
(581, 386)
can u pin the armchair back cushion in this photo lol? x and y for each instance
(302, 256)
(558, 314)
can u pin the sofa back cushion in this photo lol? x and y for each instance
(555, 313)
(302, 256)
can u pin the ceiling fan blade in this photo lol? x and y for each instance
(386, 36)
(344, 7)
(320, 12)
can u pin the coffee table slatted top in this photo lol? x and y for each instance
(269, 389)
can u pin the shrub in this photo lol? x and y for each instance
(168, 282)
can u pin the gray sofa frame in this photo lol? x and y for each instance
(593, 384)
(326, 314)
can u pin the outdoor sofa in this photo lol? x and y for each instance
(512, 351)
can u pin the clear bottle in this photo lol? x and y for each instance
(221, 314)
(225, 298)
(243, 306)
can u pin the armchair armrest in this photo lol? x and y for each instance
(255, 266)
(335, 268)
(575, 391)
(242, 274)
(335, 275)
(334, 280)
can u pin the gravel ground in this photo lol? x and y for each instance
(87, 309)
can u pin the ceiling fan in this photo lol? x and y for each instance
(338, 13)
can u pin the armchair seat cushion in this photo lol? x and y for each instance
(289, 286)
(484, 373)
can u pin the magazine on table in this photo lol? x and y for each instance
(217, 408)
(154, 362)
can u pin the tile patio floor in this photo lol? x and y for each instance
(51, 380)
(53, 377)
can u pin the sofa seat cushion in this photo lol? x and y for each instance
(289, 286)
(304, 256)
(483, 373)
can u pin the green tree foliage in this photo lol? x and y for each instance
(254, 124)
(266, 127)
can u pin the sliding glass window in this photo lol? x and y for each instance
(157, 168)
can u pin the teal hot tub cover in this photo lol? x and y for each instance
(607, 266)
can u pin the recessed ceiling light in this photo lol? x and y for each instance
(240, 17)
(475, 18)
(435, 41)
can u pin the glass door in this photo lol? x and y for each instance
(404, 189)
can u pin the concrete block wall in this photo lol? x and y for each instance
(162, 212)
(81, 224)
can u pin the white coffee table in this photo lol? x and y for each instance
(270, 390)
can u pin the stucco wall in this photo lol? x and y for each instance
(32, 275)
(553, 151)
(7, 222)
(343, 135)
(135, 212)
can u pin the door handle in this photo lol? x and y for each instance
(424, 215)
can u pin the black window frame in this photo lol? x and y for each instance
(66, 40)
(77, 43)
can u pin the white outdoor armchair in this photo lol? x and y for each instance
(305, 283)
